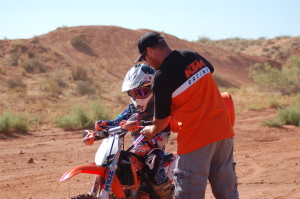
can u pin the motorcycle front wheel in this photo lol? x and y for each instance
(84, 196)
(87, 196)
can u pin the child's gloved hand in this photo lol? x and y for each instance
(100, 124)
(89, 138)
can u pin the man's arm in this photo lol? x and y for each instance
(158, 126)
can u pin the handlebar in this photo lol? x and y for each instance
(129, 126)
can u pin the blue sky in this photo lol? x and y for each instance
(188, 19)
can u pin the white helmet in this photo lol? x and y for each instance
(137, 83)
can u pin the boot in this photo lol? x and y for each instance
(163, 190)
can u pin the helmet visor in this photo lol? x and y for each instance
(139, 93)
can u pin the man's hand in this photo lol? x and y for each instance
(158, 126)
(147, 133)
(130, 125)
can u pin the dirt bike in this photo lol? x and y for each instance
(115, 168)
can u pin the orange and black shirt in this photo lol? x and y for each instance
(184, 89)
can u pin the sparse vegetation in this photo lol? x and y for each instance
(234, 44)
(285, 80)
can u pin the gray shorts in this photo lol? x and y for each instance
(213, 162)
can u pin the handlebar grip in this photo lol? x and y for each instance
(84, 134)
(97, 138)
(146, 123)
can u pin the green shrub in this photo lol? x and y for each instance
(11, 122)
(286, 80)
(80, 119)
(77, 120)
(273, 122)
(99, 112)
(274, 103)
(78, 42)
(289, 115)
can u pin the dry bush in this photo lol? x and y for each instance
(52, 87)
(33, 66)
(59, 75)
(79, 73)
(14, 82)
(55, 83)
(85, 87)
(13, 59)
(80, 43)
(35, 40)
(17, 46)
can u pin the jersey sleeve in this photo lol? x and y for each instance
(162, 96)
(207, 63)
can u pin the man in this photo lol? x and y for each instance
(186, 96)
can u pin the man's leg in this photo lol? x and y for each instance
(222, 175)
(191, 173)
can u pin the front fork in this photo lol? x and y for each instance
(96, 185)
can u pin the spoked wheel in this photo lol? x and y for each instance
(84, 196)
(87, 196)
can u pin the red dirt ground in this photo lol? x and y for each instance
(267, 160)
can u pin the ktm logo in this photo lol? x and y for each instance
(193, 68)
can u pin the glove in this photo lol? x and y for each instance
(89, 138)
(99, 125)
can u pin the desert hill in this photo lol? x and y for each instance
(85, 60)
(114, 49)
(279, 49)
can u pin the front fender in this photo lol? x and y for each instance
(91, 169)
(117, 187)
